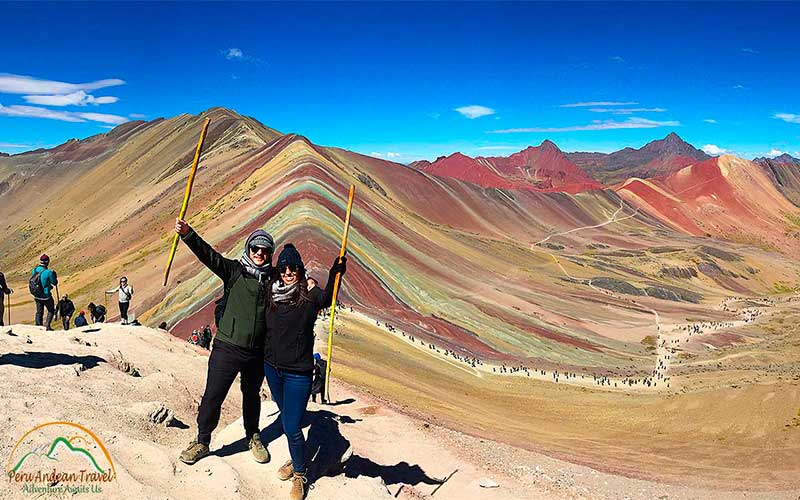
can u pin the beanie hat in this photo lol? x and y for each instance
(290, 257)
(82, 311)
(317, 356)
(44, 258)
(262, 240)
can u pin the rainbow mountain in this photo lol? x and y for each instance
(513, 272)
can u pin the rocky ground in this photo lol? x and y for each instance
(138, 388)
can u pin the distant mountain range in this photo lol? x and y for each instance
(785, 171)
(656, 158)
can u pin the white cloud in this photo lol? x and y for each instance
(714, 150)
(475, 111)
(627, 111)
(11, 145)
(392, 155)
(774, 152)
(787, 117)
(79, 98)
(236, 54)
(710, 120)
(103, 118)
(435, 116)
(738, 87)
(598, 103)
(630, 123)
(618, 59)
(376, 154)
(138, 116)
(748, 51)
(19, 84)
(65, 116)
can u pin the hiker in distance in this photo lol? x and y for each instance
(239, 343)
(80, 319)
(66, 309)
(40, 284)
(125, 292)
(4, 290)
(289, 352)
(97, 312)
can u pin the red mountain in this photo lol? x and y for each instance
(656, 158)
(542, 168)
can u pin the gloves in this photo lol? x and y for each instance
(339, 267)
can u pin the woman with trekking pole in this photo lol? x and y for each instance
(289, 352)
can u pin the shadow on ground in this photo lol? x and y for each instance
(48, 359)
(330, 454)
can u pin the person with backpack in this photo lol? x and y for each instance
(4, 290)
(80, 320)
(205, 338)
(318, 382)
(239, 343)
(40, 285)
(125, 292)
(97, 312)
(66, 309)
(289, 352)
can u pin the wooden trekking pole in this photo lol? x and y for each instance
(336, 292)
(186, 195)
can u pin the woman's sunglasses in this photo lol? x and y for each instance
(289, 271)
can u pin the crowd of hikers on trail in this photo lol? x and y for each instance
(265, 329)
(43, 281)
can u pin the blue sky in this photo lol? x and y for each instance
(412, 80)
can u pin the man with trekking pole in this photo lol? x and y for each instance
(40, 285)
(4, 290)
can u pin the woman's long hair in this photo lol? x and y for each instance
(300, 295)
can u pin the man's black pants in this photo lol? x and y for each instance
(51, 309)
(224, 363)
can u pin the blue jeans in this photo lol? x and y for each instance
(290, 391)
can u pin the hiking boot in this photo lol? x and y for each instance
(286, 471)
(194, 452)
(260, 453)
(298, 486)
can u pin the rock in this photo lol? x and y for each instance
(28, 340)
(678, 272)
(162, 415)
(616, 285)
(78, 367)
(488, 483)
(123, 365)
(720, 254)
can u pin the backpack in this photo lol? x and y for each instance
(100, 311)
(220, 303)
(35, 285)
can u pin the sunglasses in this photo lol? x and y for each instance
(264, 250)
(289, 271)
